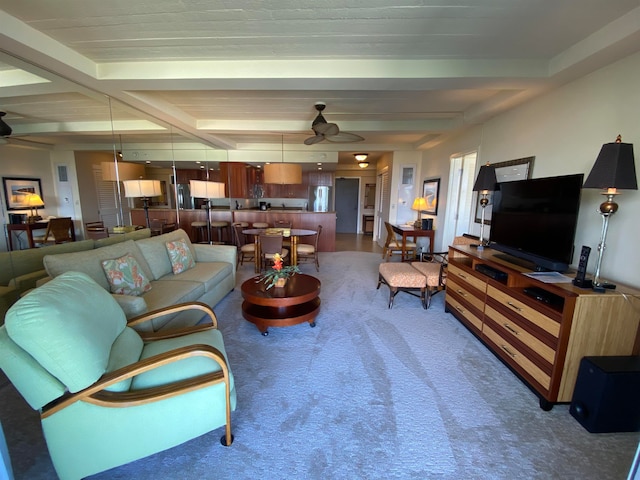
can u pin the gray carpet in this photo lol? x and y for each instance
(369, 393)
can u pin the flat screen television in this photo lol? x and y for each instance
(535, 220)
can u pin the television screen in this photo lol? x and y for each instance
(536, 220)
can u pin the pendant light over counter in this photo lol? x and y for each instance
(283, 173)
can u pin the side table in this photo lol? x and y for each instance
(297, 302)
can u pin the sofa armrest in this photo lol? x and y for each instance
(217, 253)
(8, 296)
(131, 305)
(28, 280)
(43, 280)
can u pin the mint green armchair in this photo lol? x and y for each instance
(108, 394)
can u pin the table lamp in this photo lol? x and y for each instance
(144, 189)
(33, 201)
(614, 169)
(419, 204)
(207, 190)
(485, 183)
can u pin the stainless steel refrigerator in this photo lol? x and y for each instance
(320, 199)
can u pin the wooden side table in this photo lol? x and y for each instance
(367, 224)
(297, 302)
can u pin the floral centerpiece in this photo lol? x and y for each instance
(278, 274)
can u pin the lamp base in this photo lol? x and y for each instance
(602, 287)
(33, 218)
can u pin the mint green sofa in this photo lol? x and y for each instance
(212, 278)
(108, 395)
(21, 270)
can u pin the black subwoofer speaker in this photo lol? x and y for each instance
(606, 397)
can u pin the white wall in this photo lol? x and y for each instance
(23, 162)
(565, 130)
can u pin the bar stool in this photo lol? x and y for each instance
(219, 225)
(260, 225)
(198, 230)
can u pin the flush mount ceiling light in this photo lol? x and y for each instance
(362, 159)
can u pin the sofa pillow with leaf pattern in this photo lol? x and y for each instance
(180, 256)
(125, 276)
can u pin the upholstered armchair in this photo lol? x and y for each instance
(108, 394)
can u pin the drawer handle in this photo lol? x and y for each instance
(461, 292)
(462, 275)
(511, 354)
(510, 328)
(461, 310)
(515, 307)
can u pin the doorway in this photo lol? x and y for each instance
(347, 205)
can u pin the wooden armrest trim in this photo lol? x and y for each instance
(147, 395)
(145, 317)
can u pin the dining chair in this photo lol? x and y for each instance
(269, 246)
(393, 244)
(59, 230)
(96, 230)
(246, 250)
(308, 252)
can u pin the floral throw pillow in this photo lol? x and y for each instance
(180, 256)
(125, 276)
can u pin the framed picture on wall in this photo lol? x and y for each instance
(509, 171)
(431, 192)
(18, 190)
(407, 175)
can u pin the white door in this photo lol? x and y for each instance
(458, 218)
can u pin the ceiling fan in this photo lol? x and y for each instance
(6, 137)
(329, 131)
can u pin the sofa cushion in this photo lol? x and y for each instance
(186, 368)
(208, 273)
(68, 325)
(90, 262)
(166, 293)
(125, 276)
(126, 350)
(154, 250)
(180, 256)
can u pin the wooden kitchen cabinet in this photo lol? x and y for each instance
(541, 342)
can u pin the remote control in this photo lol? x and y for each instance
(581, 280)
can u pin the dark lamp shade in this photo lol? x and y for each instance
(614, 168)
(486, 179)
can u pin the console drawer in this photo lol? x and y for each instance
(455, 272)
(513, 356)
(462, 291)
(508, 328)
(471, 319)
(527, 313)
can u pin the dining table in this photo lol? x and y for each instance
(292, 233)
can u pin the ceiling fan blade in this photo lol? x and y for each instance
(345, 137)
(316, 139)
(326, 129)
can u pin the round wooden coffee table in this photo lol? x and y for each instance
(297, 302)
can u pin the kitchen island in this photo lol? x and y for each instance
(298, 218)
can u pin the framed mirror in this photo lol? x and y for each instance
(370, 195)
(509, 171)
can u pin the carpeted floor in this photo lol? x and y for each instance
(369, 393)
